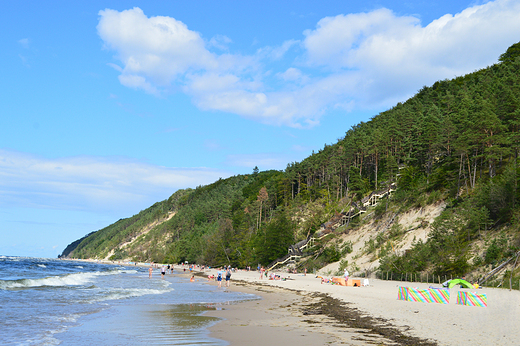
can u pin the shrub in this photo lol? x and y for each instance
(331, 254)
(346, 248)
(496, 250)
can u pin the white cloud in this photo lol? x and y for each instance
(388, 57)
(220, 42)
(137, 82)
(24, 42)
(24, 60)
(277, 53)
(335, 39)
(351, 61)
(115, 67)
(159, 48)
(292, 75)
(93, 183)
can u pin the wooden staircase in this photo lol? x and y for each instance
(296, 251)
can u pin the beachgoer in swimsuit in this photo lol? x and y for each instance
(219, 278)
(228, 277)
(163, 271)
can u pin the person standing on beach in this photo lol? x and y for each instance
(163, 271)
(219, 278)
(150, 271)
(228, 276)
(346, 274)
(262, 271)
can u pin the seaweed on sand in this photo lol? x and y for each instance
(350, 317)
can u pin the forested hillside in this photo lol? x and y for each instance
(456, 141)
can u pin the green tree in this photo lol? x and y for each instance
(511, 54)
(274, 239)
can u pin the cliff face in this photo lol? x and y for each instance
(140, 239)
(407, 227)
(113, 241)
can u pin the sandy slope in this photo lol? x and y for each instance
(416, 223)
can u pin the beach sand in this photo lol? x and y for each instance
(302, 311)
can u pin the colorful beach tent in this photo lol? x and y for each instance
(455, 282)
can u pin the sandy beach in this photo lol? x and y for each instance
(303, 311)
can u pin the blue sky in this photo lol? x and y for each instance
(111, 106)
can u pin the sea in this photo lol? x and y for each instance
(63, 302)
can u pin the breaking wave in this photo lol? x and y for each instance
(130, 293)
(75, 279)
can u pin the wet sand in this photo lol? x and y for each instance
(302, 311)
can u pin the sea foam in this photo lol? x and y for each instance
(130, 293)
(75, 279)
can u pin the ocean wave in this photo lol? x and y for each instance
(130, 293)
(75, 279)
(127, 271)
(71, 318)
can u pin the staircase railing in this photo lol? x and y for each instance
(295, 251)
(497, 269)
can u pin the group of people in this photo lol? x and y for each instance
(220, 274)
(324, 280)
(165, 268)
(272, 276)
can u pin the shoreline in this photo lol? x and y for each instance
(305, 312)
(285, 317)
